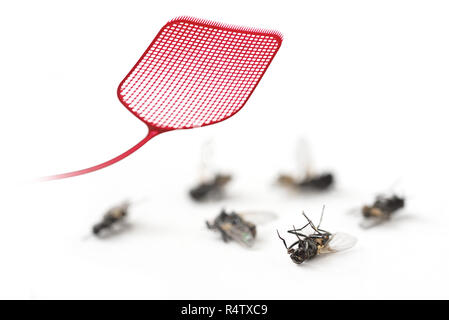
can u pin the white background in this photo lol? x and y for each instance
(366, 82)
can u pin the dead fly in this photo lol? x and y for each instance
(212, 189)
(234, 226)
(212, 186)
(320, 241)
(381, 210)
(112, 220)
(307, 179)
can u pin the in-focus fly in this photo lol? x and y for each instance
(320, 241)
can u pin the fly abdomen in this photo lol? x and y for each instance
(201, 191)
(319, 182)
(210, 189)
(384, 206)
(96, 229)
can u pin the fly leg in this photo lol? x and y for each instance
(283, 240)
(298, 234)
(321, 218)
(311, 223)
(300, 229)
(224, 236)
(285, 244)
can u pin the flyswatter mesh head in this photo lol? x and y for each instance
(194, 73)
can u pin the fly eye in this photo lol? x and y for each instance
(297, 259)
(300, 253)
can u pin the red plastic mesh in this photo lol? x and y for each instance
(194, 73)
(197, 72)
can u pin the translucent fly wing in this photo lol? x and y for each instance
(207, 166)
(258, 217)
(304, 158)
(371, 222)
(339, 242)
(355, 210)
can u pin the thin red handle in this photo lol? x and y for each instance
(151, 134)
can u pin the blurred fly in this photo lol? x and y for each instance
(234, 226)
(320, 241)
(211, 189)
(319, 182)
(212, 186)
(113, 220)
(307, 180)
(381, 210)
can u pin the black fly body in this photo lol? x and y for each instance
(211, 189)
(381, 210)
(320, 241)
(111, 219)
(319, 182)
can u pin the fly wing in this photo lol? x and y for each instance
(304, 158)
(207, 157)
(355, 210)
(339, 242)
(258, 217)
(368, 223)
